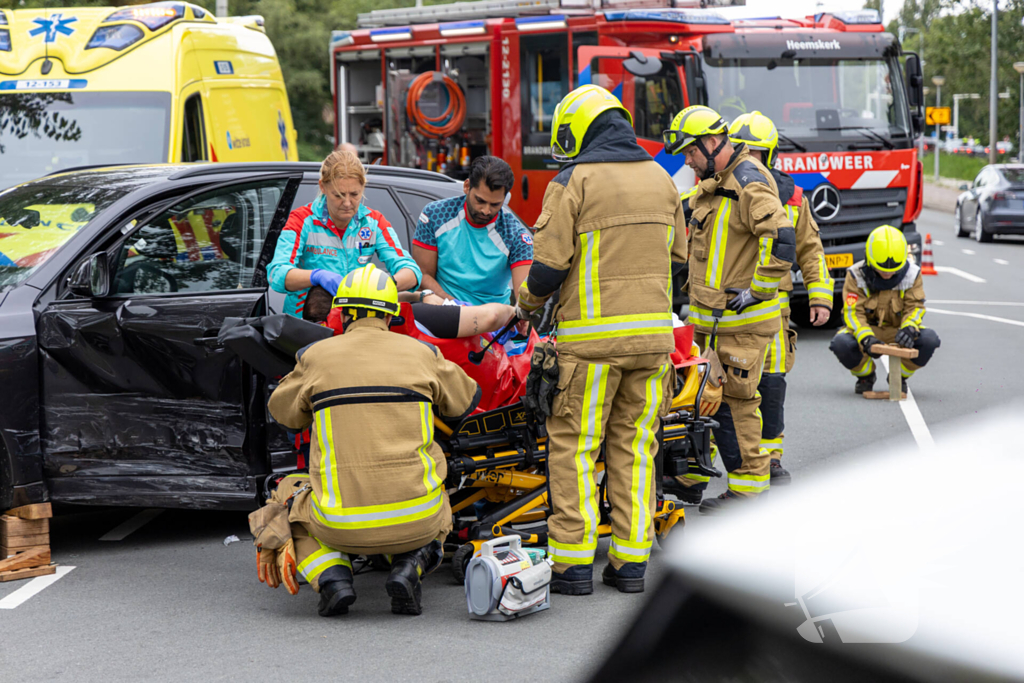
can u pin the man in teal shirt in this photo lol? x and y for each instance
(473, 248)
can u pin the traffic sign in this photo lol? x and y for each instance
(936, 116)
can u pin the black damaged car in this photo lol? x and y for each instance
(114, 283)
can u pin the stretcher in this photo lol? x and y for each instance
(497, 459)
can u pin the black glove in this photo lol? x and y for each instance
(907, 337)
(542, 382)
(868, 342)
(744, 299)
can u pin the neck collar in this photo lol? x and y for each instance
(469, 218)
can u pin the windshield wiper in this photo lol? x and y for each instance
(790, 141)
(866, 131)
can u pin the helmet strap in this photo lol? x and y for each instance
(710, 170)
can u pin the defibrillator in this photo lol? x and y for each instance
(503, 583)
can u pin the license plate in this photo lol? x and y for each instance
(839, 260)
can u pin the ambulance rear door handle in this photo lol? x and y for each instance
(526, 187)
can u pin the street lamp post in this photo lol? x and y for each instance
(956, 109)
(938, 81)
(993, 95)
(1019, 68)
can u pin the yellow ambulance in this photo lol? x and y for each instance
(161, 82)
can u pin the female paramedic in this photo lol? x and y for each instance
(335, 234)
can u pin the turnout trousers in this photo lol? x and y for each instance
(617, 403)
(778, 362)
(318, 547)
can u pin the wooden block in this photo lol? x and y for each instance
(19, 542)
(6, 552)
(892, 350)
(16, 526)
(27, 573)
(34, 511)
(23, 560)
(880, 395)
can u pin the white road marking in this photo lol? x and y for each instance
(1002, 262)
(976, 303)
(121, 531)
(969, 252)
(912, 413)
(32, 587)
(938, 243)
(959, 273)
(979, 316)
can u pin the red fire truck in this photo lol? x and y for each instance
(433, 87)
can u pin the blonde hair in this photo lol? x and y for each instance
(341, 164)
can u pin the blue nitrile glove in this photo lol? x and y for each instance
(326, 279)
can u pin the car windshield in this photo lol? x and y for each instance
(45, 132)
(819, 99)
(1014, 176)
(38, 218)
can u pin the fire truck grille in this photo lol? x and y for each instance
(861, 212)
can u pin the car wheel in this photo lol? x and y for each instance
(958, 222)
(979, 233)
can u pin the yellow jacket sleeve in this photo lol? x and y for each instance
(776, 239)
(853, 309)
(810, 256)
(913, 305)
(554, 244)
(289, 404)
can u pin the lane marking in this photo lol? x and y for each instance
(969, 252)
(32, 587)
(122, 530)
(959, 273)
(1002, 262)
(976, 303)
(912, 413)
(979, 316)
(938, 243)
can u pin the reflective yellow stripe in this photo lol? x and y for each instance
(431, 479)
(590, 285)
(793, 213)
(668, 243)
(772, 445)
(853, 323)
(760, 312)
(777, 351)
(914, 319)
(640, 488)
(615, 326)
(370, 516)
(630, 551)
(591, 436)
(328, 478)
(766, 251)
(784, 300)
(314, 565)
(819, 290)
(866, 367)
(749, 483)
(572, 553)
(905, 371)
(716, 259)
(764, 285)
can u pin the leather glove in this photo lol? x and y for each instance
(868, 342)
(266, 567)
(287, 566)
(710, 400)
(326, 279)
(744, 299)
(907, 337)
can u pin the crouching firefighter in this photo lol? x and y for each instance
(884, 304)
(610, 227)
(376, 477)
(742, 245)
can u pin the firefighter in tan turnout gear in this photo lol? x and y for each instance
(376, 477)
(742, 244)
(610, 226)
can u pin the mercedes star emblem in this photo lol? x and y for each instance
(825, 202)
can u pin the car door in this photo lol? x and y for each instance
(140, 406)
(971, 204)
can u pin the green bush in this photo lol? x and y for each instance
(958, 166)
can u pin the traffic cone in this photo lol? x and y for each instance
(927, 261)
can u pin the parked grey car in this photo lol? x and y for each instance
(993, 204)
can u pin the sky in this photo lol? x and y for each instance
(801, 8)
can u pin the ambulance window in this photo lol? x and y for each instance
(193, 141)
(210, 242)
(544, 73)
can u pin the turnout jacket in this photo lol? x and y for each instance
(740, 237)
(810, 255)
(610, 227)
(864, 308)
(377, 476)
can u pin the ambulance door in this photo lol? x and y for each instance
(193, 143)
(649, 87)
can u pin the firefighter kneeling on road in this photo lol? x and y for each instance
(884, 303)
(742, 243)
(376, 477)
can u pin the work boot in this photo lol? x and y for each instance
(407, 570)
(576, 580)
(903, 384)
(726, 500)
(689, 495)
(629, 578)
(779, 475)
(336, 591)
(866, 383)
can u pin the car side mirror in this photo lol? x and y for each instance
(915, 80)
(92, 277)
(642, 65)
(965, 187)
